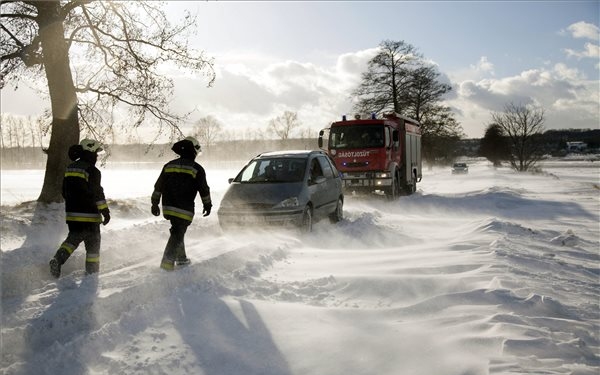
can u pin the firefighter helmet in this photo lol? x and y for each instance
(90, 145)
(195, 143)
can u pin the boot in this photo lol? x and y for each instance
(183, 261)
(55, 267)
(167, 264)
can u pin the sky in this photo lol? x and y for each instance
(307, 57)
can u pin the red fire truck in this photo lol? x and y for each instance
(376, 154)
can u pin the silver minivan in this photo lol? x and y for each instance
(289, 188)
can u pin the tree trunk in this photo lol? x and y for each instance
(63, 98)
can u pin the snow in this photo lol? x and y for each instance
(493, 272)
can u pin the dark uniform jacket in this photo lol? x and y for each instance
(84, 197)
(178, 183)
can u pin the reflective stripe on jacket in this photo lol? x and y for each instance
(83, 217)
(178, 212)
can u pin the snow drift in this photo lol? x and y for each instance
(494, 272)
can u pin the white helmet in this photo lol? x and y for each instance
(90, 145)
(195, 143)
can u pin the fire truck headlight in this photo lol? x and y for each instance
(382, 175)
(288, 203)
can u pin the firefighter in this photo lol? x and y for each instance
(85, 207)
(178, 183)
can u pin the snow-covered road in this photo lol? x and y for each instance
(493, 272)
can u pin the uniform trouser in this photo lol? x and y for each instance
(89, 234)
(175, 249)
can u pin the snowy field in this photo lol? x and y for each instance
(493, 272)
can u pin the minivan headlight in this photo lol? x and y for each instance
(287, 203)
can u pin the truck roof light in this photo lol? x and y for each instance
(373, 116)
(344, 118)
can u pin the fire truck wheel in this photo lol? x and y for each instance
(306, 221)
(412, 188)
(393, 191)
(338, 214)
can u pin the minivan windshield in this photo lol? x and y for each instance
(356, 136)
(273, 170)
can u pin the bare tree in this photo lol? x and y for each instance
(207, 130)
(11, 129)
(523, 125)
(306, 133)
(97, 57)
(31, 126)
(398, 79)
(384, 85)
(2, 129)
(283, 125)
(424, 92)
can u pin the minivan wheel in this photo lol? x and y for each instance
(306, 222)
(338, 214)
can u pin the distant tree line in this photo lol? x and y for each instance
(517, 136)
(553, 142)
(23, 142)
(219, 152)
(19, 131)
(209, 130)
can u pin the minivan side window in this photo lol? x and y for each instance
(325, 166)
(315, 169)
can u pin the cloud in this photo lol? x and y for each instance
(590, 51)
(484, 66)
(231, 92)
(570, 100)
(584, 30)
(353, 64)
(252, 88)
(249, 95)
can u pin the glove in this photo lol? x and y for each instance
(155, 210)
(106, 215)
(206, 210)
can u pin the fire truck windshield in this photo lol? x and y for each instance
(356, 136)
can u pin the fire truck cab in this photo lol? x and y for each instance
(381, 155)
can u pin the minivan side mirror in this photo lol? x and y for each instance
(230, 180)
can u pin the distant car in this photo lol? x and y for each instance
(458, 168)
(289, 188)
